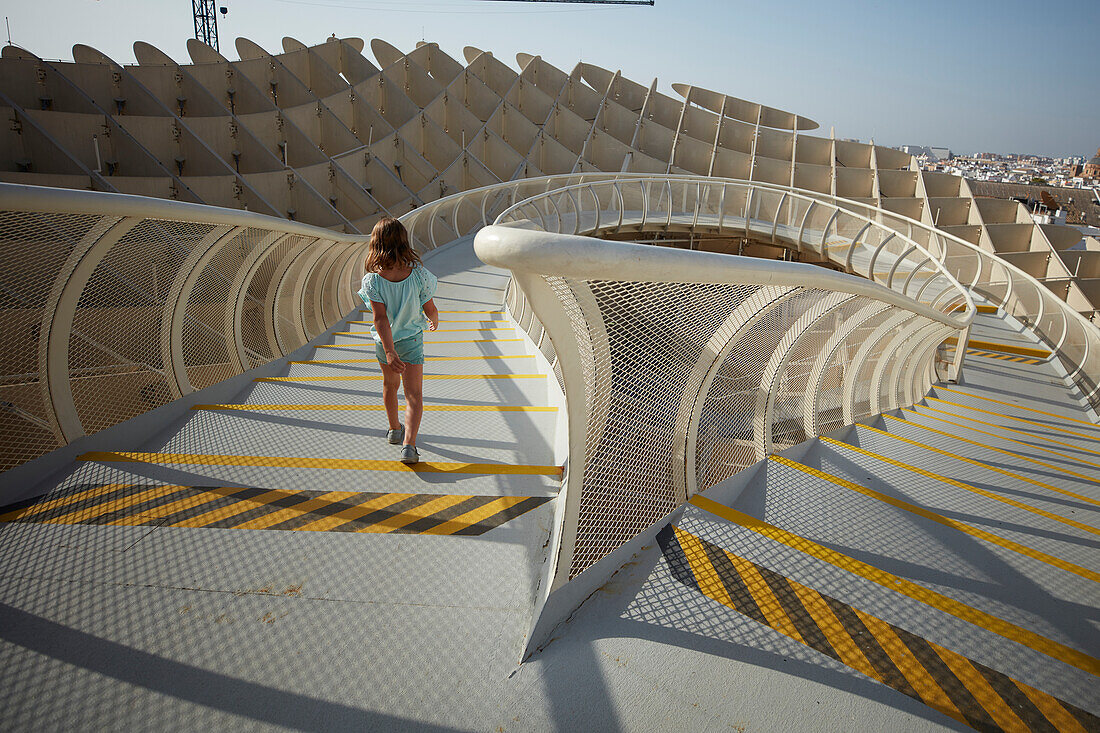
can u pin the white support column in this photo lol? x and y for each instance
(916, 363)
(738, 323)
(848, 399)
(854, 244)
(595, 122)
(275, 295)
(802, 226)
(810, 406)
(755, 137)
(302, 290)
(676, 135)
(900, 346)
(770, 379)
(641, 115)
(717, 136)
(60, 309)
(171, 325)
(236, 297)
(823, 247)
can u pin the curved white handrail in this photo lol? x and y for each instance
(514, 213)
(649, 396)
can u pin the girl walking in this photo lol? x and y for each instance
(399, 289)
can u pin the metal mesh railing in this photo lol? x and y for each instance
(115, 305)
(1074, 340)
(917, 260)
(678, 374)
(682, 368)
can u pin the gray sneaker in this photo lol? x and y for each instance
(409, 455)
(396, 437)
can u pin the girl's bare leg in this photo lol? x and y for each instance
(413, 380)
(391, 381)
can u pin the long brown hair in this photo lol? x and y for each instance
(389, 246)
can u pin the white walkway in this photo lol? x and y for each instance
(170, 592)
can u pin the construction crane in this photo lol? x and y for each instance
(206, 14)
(206, 21)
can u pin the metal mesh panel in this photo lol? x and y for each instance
(139, 310)
(33, 248)
(861, 386)
(116, 360)
(288, 322)
(725, 439)
(547, 348)
(257, 327)
(830, 409)
(787, 427)
(639, 343)
(205, 334)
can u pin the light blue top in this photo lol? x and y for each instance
(404, 301)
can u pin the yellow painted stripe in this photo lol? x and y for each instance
(964, 459)
(474, 516)
(911, 668)
(360, 510)
(996, 450)
(834, 630)
(1033, 436)
(281, 515)
(445, 320)
(427, 509)
(427, 358)
(378, 377)
(905, 587)
(1052, 710)
(187, 502)
(981, 308)
(432, 343)
(920, 511)
(1021, 419)
(1003, 357)
(835, 636)
(765, 599)
(983, 692)
(428, 333)
(90, 512)
(710, 583)
(231, 510)
(497, 310)
(44, 506)
(347, 464)
(1018, 407)
(380, 408)
(964, 486)
(1003, 348)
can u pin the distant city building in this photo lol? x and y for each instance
(933, 153)
(1091, 169)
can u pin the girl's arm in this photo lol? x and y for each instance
(432, 313)
(382, 326)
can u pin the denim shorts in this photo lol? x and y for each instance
(410, 350)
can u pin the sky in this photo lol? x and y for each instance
(972, 75)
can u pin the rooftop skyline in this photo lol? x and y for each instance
(981, 77)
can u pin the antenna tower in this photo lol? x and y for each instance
(206, 22)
